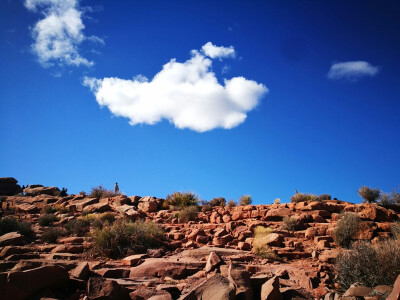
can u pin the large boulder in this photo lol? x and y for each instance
(395, 294)
(241, 280)
(23, 284)
(217, 287)
(42, 190)
(11, 238)
(9, 186)
(148, 204)
(99, 288)
(270, 290)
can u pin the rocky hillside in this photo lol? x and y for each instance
(212, 257)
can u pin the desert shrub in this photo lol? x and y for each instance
(50, 235)
(107, 217)
(369, 195)
(49, 210)
(260, 247)
(78, 226)
(82, 193)
(47, 219)
(63, 192)
(368, 264)
(101, 192)
(347, 226)
(301, 197)
(123, 237)
(219, 201)
(386, 200)
(62, 209)
(10, 224)
(231, 203)
(277, 201)
(395, 229)
(290, 224)
(179, 199)
(245, 200)
(188, 214)
(323, 197)
(206, 207)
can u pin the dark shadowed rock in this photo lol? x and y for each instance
(26, 283)
(11, 238)
(9, 186)
(51, 191)
(99, 288)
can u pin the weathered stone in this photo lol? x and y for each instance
(26, 283)
(51, 191)
(241, 281)
(395, 294)
(213, 261)
(148, 204)
(9, 186)
(357, 291)
(133, 260)
(99, 288)
(215, 288)
(270, 290)
(81, 271)
(11, 238)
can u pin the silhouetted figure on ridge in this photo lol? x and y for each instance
(116, 188)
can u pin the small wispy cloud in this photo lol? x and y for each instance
(213, 51)
(187, 94)
(352, 70)
(59, 33)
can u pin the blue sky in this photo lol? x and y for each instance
(319, 92)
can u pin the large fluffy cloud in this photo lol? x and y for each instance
(187, 94)
(352, 70)
(59, 33)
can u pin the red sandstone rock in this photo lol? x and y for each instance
(270, 290)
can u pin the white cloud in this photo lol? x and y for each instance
(187, 94)
(218, 52)
(352, 70)
(58, 35)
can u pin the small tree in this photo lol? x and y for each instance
(347, 226)
(245, 200)
(179, 199)
(219, 201)
(369, 195)
(231, 203)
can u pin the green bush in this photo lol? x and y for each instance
(107, 217)
(220, 201)
(368, 264)
(179, 199)
(49, 210)
(347, 226)
(10, 224)
(79, 226)
(101, 192)
(123, 238)
(303, 197)
(245, 200)
(188, 214)
(290, 224)
(369, 195)
(260, 248)
(50, 235)
(323, 197)
(395, 229)
(47, 220)
(231, 204)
